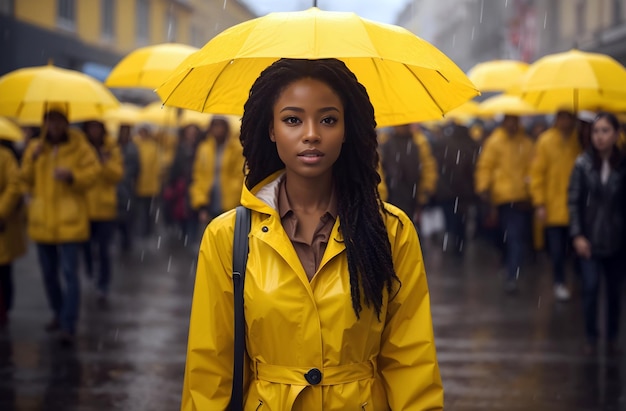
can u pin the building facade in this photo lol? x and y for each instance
(93, 35)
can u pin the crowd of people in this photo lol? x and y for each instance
(525, 184)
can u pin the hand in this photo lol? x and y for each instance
(541, 214)
(203, 217)
(582, 247)
(63, 174)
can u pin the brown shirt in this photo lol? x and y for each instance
(310, 254)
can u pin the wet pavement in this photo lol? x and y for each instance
(496, 352)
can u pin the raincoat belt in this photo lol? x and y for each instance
(337, 375)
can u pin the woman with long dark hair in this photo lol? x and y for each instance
(336, 301)
(596, 201)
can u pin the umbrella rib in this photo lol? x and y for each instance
(426, 89)
(176, 87)
(206, 98)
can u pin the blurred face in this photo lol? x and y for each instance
(565, 122)
(56, 126)
(510, 124)
(123, 135)
(308, 128)
(191, 135)
(604, 136)
(219, 130)
(95, 133)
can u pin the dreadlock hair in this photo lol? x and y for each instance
(355, 172)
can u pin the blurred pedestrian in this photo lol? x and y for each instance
(597, 200)
(555, 154)
(12, 229)
(102, 205)
(410, 170)
(502, 180)
(176, 191)
(58, 169)
(455, 153)
(217, 172)
(126, 207)
(148, 183)
(335, 279)
(537, 126)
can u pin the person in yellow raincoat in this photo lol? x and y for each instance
(102, 204)
(58, 169)
(337, 306)
(12, 230)
(410, 169)
(502, 180)
(217, 171)
(555, 154)
(148, 182)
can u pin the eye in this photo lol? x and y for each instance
(291, 120)
(329, 120)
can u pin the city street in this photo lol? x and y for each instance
(496, 352)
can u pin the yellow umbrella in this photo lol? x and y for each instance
(25, 94)
(506, 104)
(126, 113)
(148, 66)
(464, 113)
(575, 80)
(407, 78)
(160, 115)
(497, 75)
(191, 117)
(10, 131)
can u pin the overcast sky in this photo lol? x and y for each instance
(384, 11)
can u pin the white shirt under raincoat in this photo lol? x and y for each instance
(293, 325)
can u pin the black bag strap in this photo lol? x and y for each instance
(240, 259)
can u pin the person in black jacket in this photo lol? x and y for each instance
(596, 202)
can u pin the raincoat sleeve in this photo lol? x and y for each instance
(487, 161)
(202, 176)
(575, 199)
(429, 173)
(408, 346)
(27, 169)
(538, 170)
(11, 195)
(85, 170)
(113, 168)
(209, 366)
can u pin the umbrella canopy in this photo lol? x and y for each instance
(506, 104)
(126, 113)
(191, 117)
(148, 67)
(26, 94)
(575, 80)
(160, 115)
(497, 75)
(10, 131)
(407, 78)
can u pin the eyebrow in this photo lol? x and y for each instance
(301, 110)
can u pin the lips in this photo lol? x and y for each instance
(310, 153)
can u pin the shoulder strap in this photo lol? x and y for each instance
(240, 259)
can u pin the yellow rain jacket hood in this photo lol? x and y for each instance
(231, 173)
(293, 325)
(102, 196)
(12, 218)
(550, 174)
(503, 167)
(57, 211)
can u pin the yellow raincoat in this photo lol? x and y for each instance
(231, 173)
(12, 232)
(57, 211)
(149, 179)
(550, 174)
(293, 325)
(503, 167)
(102, 196)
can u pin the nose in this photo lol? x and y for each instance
(311, 134)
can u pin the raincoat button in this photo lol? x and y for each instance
(265, 229)
(314, 376)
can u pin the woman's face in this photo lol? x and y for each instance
(308, 128)
(604, 136)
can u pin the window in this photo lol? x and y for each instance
(66, 14)
(143, 20)
(108, 19)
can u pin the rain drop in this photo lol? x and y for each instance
(224, 7)
(456, 204)
(143, 253)
(445, 241)
(458, 156)
(539, 302)
(482, 7)
(169, 264)
(117, 332)
(159, 243)
(545, 20)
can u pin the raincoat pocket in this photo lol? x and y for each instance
(69, 211)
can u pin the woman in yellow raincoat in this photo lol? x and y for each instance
(335, 283)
